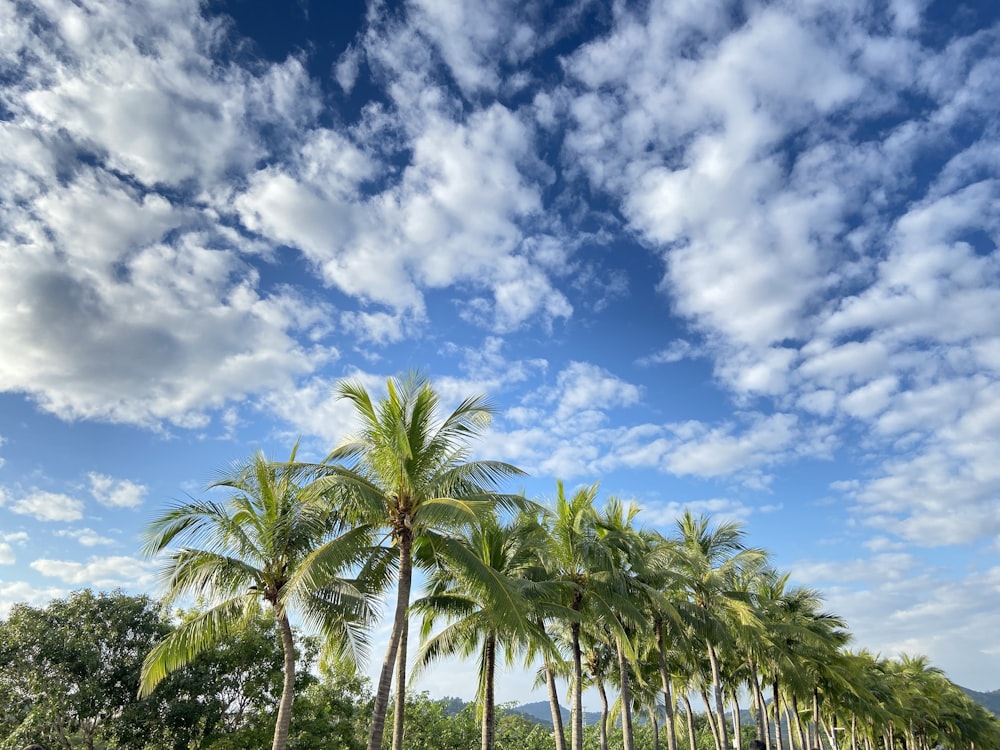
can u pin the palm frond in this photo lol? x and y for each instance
(192, 637)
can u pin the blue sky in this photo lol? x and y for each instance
(737, 257)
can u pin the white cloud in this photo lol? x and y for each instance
(49, 506)
(146, 300)
(99, 572)
(116, 493)
(815, 274)
(665, 514)
(346, 68)
(7, 556)
(676, 351)
(889, 599)
(162, 110)
(86, 537)
(21, 592)
(715, 451)
(585, 387)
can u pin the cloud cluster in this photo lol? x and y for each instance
(131, 298)
(185, 233)
(779, 167)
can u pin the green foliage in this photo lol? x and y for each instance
(428, 726)
(71, 669)
(228, 693)
(515, 732)
(333, 712)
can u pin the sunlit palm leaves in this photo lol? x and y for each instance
(267, 542)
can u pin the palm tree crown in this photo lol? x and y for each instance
(406, 470)
(267, 542)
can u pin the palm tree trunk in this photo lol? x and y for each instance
(830, 727)
(711, 719)
(628, 742)
(690, 722)
(668, 700)
(798, 722)
(284, 720)
(776, 710)
(557, 722)
(815, 740)
(603, 726)
(489, 711)
(763, 733)
(713, 659)
(737, 726)
(655, 723)
(400, 708)
(399, 622)
(576, 712)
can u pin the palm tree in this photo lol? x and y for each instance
(577, 556)
(710, 560)
(406, 471)
(629, 548)
(485, 585)
(267, 542)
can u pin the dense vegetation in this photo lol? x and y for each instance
(654, 623)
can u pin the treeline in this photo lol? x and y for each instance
(576, 587)
(70, 670)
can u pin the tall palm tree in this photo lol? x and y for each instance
(629, 549)
(406, 470)
(710, 561)
(485, 586)
(268, 542)
(578, 556)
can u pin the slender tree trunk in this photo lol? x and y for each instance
(776, 711)
(798, 723)
(400, 709)
(557, 722)
(399, 622)
(603, 726)
(576, 712)
(830, 727)
(655, 723)
(737, 725)
(711, 718)
(689, 714)
(789, 728)
(713, 659)
(815, 740)
(628, 742)
(284, 720)
(668, 700)
(760, 707)
(489, 710)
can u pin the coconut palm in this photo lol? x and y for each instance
(630, 549)
(268, 542)
(710, 560)
(578, 556)
(406, 470)
(485, 585)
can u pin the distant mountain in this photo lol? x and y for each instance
(540, 712)
(991, 700)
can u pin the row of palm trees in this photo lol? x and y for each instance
(584, 591)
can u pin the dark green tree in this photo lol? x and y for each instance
(70, 669)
